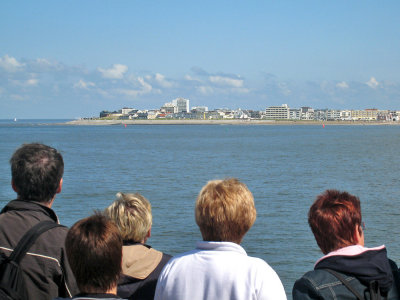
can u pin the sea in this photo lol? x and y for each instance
(285, 167)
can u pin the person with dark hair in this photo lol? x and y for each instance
(37, 172)
(94, 250)
(348, 270)
(219, 268)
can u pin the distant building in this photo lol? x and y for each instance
(176, 106)
(294, 114)
(277, 112)
(105, 113)
(345, 115)
(169, 108)
(332, 114)
(306, 113)
(254, 114)
(199, 109)
(182, 104)
(365, 115)
(126, 110)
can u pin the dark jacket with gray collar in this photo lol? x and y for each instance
(46, 270)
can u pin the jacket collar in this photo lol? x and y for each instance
(23, 205)
(366, 264)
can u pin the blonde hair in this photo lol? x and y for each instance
(132, 215)
(225, 210)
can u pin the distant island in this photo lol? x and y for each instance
(177, 112)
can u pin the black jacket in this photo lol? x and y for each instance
(131, 287)
(358, 270)
(46, 270)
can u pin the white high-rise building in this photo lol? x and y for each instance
(182, 104)
(277, 112)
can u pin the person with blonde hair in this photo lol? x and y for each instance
(219, 267)
(141, 264)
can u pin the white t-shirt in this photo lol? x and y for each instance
(220, 271)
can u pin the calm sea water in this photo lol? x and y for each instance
(284, 166)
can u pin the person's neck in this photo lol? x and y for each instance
(112, 290)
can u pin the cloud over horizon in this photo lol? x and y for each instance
(39, 80)
(117, 71)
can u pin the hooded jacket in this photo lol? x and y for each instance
(359, 266)
(141, 266)
(45, 268)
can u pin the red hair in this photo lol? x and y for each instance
(333, 218)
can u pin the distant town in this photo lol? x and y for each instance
(178, 109)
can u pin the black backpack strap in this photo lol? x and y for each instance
(29, 238)
(346, 283)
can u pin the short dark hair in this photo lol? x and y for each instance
(333, 218)
(94, 250)
(36, 171)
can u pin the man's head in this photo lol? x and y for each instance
(36, 171)
(335, 220)
(94, 250)
(225, 210)
(132, 215)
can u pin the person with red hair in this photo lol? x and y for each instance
(348, 270)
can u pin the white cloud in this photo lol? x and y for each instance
(116, 72)
(32, 82)
(190, 78)
(10, 64)
(43, 61)
(24, 82)
(84, 85)
(372, 83)
(144, 88)
(227, 81)
(342, 85)
(162, 81)
(205, 90)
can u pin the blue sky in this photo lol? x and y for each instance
(68, 59)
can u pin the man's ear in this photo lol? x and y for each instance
(14, 187)
(147, 236)
(148, 233)
(59, 186)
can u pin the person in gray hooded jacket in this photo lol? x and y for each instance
(348, 270)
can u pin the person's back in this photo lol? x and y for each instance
(36, 177)
(141, 264)
(218, 270)
(219, 267)
(347, 267)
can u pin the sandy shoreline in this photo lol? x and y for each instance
(222, 122)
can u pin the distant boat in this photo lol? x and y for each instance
(15, 119)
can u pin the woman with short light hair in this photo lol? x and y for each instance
(219, 268)
(141, 264)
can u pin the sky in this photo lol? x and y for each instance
(71, 59)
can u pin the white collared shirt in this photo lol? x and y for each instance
(220, 271)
